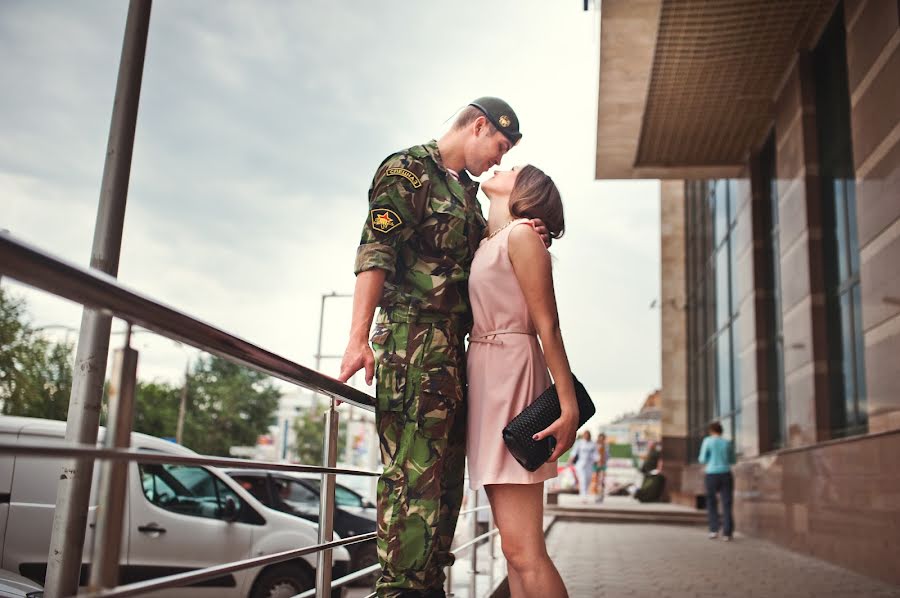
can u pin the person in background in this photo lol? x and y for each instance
(584, 455)
(717, 454)
(598, 483)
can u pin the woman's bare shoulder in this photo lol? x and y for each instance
(523, 236)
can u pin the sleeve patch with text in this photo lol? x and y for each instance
(384, 220)
(409, 176)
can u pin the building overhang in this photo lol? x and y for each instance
(687, 87)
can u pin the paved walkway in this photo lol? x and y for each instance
(667, 561)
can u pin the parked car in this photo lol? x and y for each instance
(16, 586)
(177, 518)
(298, 494)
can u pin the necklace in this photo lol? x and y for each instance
(491, 236)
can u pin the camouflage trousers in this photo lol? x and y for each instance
(421, 421)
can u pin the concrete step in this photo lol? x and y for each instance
(661, 516)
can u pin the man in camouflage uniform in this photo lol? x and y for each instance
(423, 227)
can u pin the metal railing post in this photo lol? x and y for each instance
(114, 474)
(473, 569)
(74, 488)
(448, 584)
(326, 503)
(491, 552)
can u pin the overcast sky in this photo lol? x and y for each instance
(260, 127)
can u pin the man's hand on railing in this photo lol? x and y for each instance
(358, 356)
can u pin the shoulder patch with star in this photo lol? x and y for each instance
(384, 220)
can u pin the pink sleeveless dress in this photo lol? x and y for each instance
(506, 370)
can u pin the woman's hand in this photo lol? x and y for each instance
(541, 229)
(564, 430)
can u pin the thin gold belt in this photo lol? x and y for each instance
(490, 337)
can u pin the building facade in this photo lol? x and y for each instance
(776, 129)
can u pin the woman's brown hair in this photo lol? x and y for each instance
(535, 195)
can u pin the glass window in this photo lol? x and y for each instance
(770, 311)
(712, 309)
(723, 284)
(841, 244)
(732, 201)
(257, 486)
(840, 230)
(736, 361)
(296, 495)
(852, 227)
(720, 196)
(344, 497)
(186, 490)
(723, 374)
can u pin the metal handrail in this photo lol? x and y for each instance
(474, 510)
(373, 568)
(37, 268)
(145, 456)
(474, 541)
(91, 288)
(342, 581)
(191, 577)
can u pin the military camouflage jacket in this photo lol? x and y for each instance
(423, 228)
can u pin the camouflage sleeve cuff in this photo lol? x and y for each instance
(375, 255)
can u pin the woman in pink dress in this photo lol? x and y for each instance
(513, 304)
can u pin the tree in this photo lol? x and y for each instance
(227, 405)
(156, 408)
(35, 373)
(309, 437)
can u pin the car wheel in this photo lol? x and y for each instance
(282, 581)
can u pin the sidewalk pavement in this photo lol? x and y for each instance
(599, 560)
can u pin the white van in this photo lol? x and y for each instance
(177, 518)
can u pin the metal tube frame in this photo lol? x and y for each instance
(473, 569)
(87, 451)
(34, 267)
(192, 577)
(114, 474)
(326, 503)
(83, 420)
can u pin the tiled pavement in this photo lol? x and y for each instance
(612, 559)
(666, 561)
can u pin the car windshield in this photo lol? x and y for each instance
(343, 496)
(297, 496)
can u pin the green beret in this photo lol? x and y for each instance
(501, 116)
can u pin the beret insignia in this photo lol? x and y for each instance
(504, 121)
(416, 183)
(384, 220)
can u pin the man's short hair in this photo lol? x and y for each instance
(715, 427)
(468, 115)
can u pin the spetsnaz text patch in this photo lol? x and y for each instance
(384, 220)
(416, 183)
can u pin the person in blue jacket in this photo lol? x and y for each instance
(717, 454)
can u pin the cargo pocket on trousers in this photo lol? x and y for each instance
(439, 401)
(390, 372)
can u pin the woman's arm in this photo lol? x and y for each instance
(704, 451)
(531, 263)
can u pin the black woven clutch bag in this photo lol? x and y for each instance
(539, 415)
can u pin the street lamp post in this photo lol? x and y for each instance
(319, 355)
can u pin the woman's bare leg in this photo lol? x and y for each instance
(519, 514)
